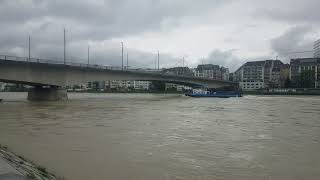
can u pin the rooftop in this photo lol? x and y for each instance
(304, 60)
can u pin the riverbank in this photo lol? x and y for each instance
(282, 93)
(120, 92)
(15, 167)
(130, 92)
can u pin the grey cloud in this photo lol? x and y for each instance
(102, 19)
(293, 40)
(97, 20)
(296, 11)
(224, 58)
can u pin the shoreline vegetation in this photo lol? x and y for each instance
(26, 167)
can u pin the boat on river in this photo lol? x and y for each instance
(213, 93)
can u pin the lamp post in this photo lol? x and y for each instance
(158, 60)
(29, 48)
(88, 55)
(127, 61)
(64, 46)
(122, 55)
(183, 65)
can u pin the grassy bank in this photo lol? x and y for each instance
(26, 167)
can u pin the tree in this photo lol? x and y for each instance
(76, 87)
(95, 85)
(158, 86)
(307, 79)
(287, 83)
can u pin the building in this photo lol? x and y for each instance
(272, 70)
(127, 85)
(259, 74)
(225, 74)
(114, 84)
(211, 71)
(176, 87)
(316, 48)
(142, 85)
(119, 84)
(2, 86)
(305, 72)
(250, 75)
(95, 85)
(178, 71)
(231, 76)
(285, 76)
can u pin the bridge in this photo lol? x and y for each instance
(50, 77)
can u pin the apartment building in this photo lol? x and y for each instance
(142, 85)
(316, 48)
(307, 66)
(178, 71)
(211, 71)
(259, 74)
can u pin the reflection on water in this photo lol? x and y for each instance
(145, 136)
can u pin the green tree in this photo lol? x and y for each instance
(76, 87)
(95, 85)
(287, 83)
(158, 86)
(307, 79)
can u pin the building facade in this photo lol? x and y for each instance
(176, 87)
(178, 71)
(119, 84)
(316, 48)
(211, 71)
(285, 76)
(305, 72)
(141, 85)
(127, 85)
(2, 86)
(259, 74)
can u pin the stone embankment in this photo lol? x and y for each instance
(15, 167)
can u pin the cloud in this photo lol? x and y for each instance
(176, 27)
(97, 22)
(294, 40)
(291, 11)
(100, 19)
(224, 58)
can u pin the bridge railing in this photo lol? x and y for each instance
(74, 64)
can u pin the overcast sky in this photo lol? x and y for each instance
(223, 32)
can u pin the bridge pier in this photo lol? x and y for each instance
(52, 93)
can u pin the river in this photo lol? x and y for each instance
(155, 137)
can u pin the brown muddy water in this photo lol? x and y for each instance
(153, 137)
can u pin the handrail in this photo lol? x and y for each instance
(74, 64)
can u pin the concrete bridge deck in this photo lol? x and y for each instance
(55, 73)
(38, 72)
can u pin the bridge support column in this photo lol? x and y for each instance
(40, 93)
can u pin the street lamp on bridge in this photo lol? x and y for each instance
(122, 55)
(29, 48)
(88, 55)
(64, 46)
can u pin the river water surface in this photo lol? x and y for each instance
(153, 137)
